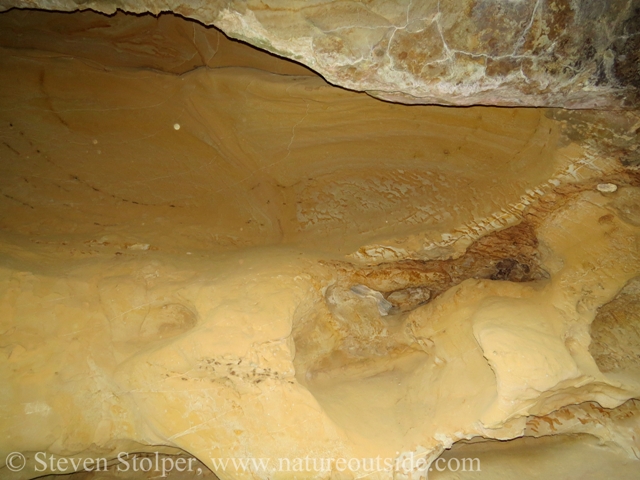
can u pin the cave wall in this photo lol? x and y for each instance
(210, 251)
(561, 53)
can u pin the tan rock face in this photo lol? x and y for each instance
(209, 253)
(517, 53)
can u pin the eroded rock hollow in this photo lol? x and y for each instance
(217, 263)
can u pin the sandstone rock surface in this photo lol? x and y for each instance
(209, 253)
(554, 53)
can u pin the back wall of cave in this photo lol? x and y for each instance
(393, 230)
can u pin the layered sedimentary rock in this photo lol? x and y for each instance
(520, 53)
(208, 252)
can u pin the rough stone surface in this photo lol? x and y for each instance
(555, 53)
(207, 253)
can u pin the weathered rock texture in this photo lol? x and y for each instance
(208, 251)
(555, 53)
